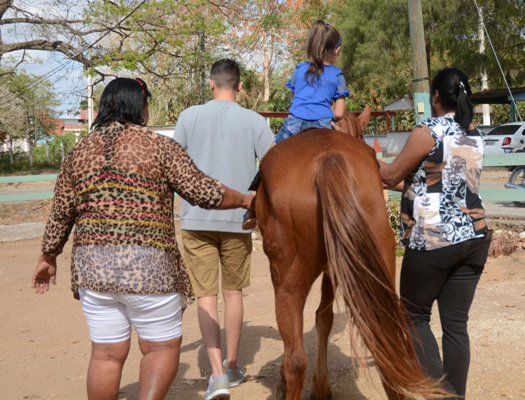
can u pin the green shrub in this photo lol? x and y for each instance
(21, 158)
(393, 210)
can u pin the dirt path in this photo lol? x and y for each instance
(44, 349)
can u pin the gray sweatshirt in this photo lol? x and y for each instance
(224, 140)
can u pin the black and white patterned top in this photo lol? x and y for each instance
(445, 184)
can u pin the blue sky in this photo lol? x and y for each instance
(69, 83)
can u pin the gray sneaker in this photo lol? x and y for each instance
(236, 376)
(218, 388)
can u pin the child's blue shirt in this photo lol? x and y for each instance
(312, 101)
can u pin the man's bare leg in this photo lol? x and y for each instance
(233, 318)
(211, 332)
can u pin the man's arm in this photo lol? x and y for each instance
(180, 134)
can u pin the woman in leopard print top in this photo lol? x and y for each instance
(117, 188)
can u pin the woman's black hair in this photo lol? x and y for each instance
(454, 91)
(123, 100)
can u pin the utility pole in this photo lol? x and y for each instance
(419, 60)
(32, 143)
(484, 75)
(90, 102)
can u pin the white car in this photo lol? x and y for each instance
(505, 138)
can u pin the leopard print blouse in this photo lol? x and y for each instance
(117, 188)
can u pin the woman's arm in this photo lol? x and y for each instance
(63, 214)
(235, 199)
(58, 227)
(419, 144)
(398, 188)
(338, 108)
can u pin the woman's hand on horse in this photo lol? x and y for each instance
(45, 273)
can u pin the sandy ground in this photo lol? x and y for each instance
(44, 350)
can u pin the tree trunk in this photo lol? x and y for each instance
(4, 6)
(48, 161)
(483, 72)
(11, 154)
(202, 67)
(62, 152)
(30, 152)
(267, 62)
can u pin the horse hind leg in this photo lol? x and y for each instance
(289, 313)
(324, 319)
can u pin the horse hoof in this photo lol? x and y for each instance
(326, 396)
(280, 393)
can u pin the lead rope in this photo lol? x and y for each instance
(497, 60)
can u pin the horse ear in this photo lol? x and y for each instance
(364, 117)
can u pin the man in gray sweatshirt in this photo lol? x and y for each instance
(225, 141)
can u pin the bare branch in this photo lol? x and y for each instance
(12, 70)
(4, 6)
(60, 46)
(38, 21)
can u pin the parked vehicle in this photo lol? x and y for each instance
(517, 178)
(506, 138)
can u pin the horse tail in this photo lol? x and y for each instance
(357, 269)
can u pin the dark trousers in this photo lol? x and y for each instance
(450, 276)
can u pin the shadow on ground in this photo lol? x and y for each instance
(343, 372)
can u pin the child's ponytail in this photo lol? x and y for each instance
(323, 41)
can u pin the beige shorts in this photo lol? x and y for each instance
(205, 251)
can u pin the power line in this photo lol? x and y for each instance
(497, 60)
(44, 77)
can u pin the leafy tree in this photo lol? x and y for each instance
(376, 47)
(27, 114)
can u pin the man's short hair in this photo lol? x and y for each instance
(226, 74)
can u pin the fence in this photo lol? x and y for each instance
(493, 195)
(388, 116)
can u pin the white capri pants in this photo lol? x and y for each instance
(156, 317)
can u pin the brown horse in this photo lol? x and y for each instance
(321, 210)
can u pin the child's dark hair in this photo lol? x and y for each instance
(454, 91)
(323, 41)
(123, 100)
(226, 74)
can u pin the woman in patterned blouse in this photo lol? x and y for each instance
(117, 188)
(443, 226)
